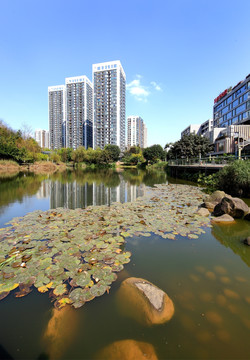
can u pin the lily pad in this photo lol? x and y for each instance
(61, 249)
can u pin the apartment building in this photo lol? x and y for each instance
(56, 96)
(145, 136)
(42, 138)
(109, 84)
(135, 131)
(191, 129)
(79, 112)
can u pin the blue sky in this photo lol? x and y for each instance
(177, 55)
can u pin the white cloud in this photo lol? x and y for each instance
(137, 90)
(156, 86)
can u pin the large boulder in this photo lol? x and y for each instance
(127, 350)
(145, 302)
(234, 207)
(212, 200)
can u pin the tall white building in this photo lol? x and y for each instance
(79, 112)
(56, 115)
(136, 131)
(109, 81)
(145, 136)
(42, 138)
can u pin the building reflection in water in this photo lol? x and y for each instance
(44, 191)
(74, 195)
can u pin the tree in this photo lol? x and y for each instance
(65, 154)
(190, 146)
(154, 153)
(135, 150)
(13, 146)
(79, 155)
(133, 159)
(114, 152)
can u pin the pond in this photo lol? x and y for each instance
(207, 279)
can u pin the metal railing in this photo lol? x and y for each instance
(207, 161)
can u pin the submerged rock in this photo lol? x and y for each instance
(139, 299)
(60, 332)
(127, 350)
(223, 219)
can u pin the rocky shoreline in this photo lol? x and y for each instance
(225, 209)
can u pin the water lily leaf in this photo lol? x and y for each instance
(63, 246)
(41, 281)
(82, 279)
(45, 288)
(192, 236)
(8, 287)
(24, 290)
(3, 294)
(60, 290)
(125, 234)
(63, 302)
(98, 289)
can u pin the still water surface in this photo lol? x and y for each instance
(208, 280)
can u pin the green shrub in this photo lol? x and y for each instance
(210, 181)
(234, 179)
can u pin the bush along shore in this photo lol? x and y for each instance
(234, 179)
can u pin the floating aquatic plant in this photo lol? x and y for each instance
(75, 254)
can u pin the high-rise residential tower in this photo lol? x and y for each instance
(79, 112)
(56, 115)
(109, 81)
(42, 138)
(145, 131)
(136, 131)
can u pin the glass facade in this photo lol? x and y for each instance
(234, 106)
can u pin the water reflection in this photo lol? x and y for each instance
(81, 188)
(15, 188)
(232, 236)
(85, 188)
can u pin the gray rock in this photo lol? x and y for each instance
(212, 200)
(223, 219)
(145, 302)
(216, 196)
(203, 212)
(235, 207)
(154, 295)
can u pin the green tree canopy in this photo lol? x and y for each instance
(15, 147)
(154, 153)
(113, 151)
(190, 146)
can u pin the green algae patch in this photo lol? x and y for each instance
(74, 255)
